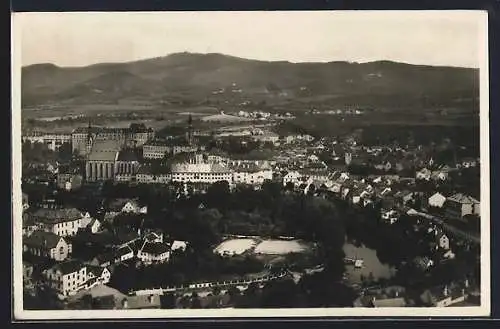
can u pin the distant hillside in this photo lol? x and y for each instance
(199, 77)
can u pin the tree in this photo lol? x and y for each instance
(195, 300)
(279, 294)
(65, 152)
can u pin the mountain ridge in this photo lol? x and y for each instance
(200, 76)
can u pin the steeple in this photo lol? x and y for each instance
(89, 138)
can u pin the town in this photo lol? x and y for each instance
(245, 210)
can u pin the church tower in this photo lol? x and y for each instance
(89, 139)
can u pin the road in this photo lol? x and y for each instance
(451, 229)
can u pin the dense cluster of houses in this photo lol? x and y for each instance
(54, 234)
(450, 294)
(300, 162)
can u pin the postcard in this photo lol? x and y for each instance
(194, 165)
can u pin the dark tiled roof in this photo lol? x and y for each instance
(155, 248)
(104, 150)
(118, 204)
(69, 267)
(123, 251)
(462, 198)
(96, 270)
(85, 130)
(42, 239)
(128, 155)
(57, 215)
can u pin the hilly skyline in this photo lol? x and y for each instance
(214, 76)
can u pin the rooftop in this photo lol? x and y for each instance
(104, 150)
(68, 267)
(250, 167)
(199, 168)
(128, 155)
(462, 198)
(155, 248)
(57, 215)
(41, 239)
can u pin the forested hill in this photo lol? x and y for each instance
(206, 77)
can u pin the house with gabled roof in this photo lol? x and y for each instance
(97, 275)
(63, 221)
(459, 205)
(66, 278)
(90, 224)
(154, 252)
(47, 244)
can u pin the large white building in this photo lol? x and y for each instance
(53, 141)
(62, 222)
(148, 175)
(198, 171)
(82, 138)
(251, 173)
(69, 277)
(159, 149)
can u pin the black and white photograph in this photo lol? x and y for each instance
(250, 164)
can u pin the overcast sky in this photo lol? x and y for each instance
(78, 39)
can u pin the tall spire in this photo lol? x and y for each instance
(89, 130)
(89, 138)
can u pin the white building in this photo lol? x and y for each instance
(63, 222)
(146, 175)
(154, 252)
(251, 174)
(91, 224)
(198, 171)
(53, 141)
(66, 277)
(292, 177)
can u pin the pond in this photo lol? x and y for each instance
(263, 247)
(235, 246)
(371, 264)
(280, 247)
